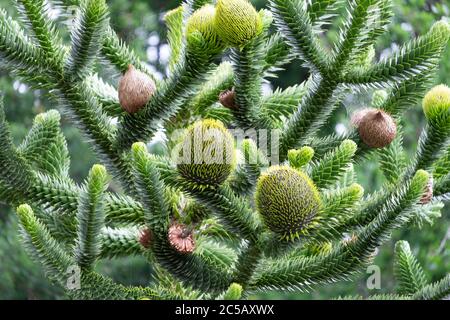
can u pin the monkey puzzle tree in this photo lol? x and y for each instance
(214, 218)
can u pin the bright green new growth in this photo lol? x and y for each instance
(287, 200)
(421, 178)
(378, 98)
(321, 248)
(234, 292)
(207, 154)
(441, 28)
(91, 217)
(45, 146)
(25, 213)
(300, 157)
(237, 21)
(313, 199)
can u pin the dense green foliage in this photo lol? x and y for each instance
(65, 224)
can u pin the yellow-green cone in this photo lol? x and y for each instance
(237, 21)
(207, 154)
(436, 102)
(287, 200)
(202, 20)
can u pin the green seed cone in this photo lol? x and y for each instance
(287, 200)
(237, 21)
(202, 20)
(207, 154)
(436, 102)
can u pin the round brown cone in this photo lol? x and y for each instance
(227, 99)
(135, 90)
(377, 129)
(358, 115)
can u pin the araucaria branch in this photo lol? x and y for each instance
(217, 216)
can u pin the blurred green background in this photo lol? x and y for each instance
(140, 24)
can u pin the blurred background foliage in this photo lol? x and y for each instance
(140, 24)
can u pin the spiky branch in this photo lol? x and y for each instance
(223, 229)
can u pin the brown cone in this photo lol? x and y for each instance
(428, 194)
(358, 115)
(135, 90)
(145, 238)
(227, 99)
(377, 129)
(181, 238)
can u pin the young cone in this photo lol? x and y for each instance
(358, 115)
(135, 90)
(202, 20)
(208, 154)
(436, 102)
(287, 200)
(237, 22)
(376, 128)
(181, 238)
(227, 99)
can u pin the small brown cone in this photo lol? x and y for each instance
(428, 194)
(377, 129)
(181, 238)
(135, 90)
(358, 115)
(145, 238)
(227, 99)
